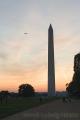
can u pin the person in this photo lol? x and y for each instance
(69, 99)
(40, 99)
(64, 99)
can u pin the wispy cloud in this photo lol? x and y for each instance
(24, 57)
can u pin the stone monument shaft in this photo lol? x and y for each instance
(51, 64)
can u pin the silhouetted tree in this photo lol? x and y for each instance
(73, 88)
(4, 96)
(26, 90)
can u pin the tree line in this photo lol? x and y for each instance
(24, 90)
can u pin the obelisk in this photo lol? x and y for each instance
(51, 64)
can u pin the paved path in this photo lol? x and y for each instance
(56, 110)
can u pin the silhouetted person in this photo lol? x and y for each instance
(64, 100)
(40, 99)
(69, 99)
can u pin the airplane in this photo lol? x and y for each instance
(25, 33)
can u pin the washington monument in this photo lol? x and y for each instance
(51, 64)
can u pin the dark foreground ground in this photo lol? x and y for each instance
(18, 104)
(56, 110)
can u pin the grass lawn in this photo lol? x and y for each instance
(15, 105)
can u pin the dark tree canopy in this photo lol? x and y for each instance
(4, 96)
(26, 90)
(73, 87)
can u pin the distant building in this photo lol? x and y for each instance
(77, 63)
(61, 94)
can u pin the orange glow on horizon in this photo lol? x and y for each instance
(37, 78)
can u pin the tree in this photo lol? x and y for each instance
(26, 90)
(4, 96)
(73, 88)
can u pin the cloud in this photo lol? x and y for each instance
(25, 57)
(3, 56)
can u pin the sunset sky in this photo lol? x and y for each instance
(23, 57)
